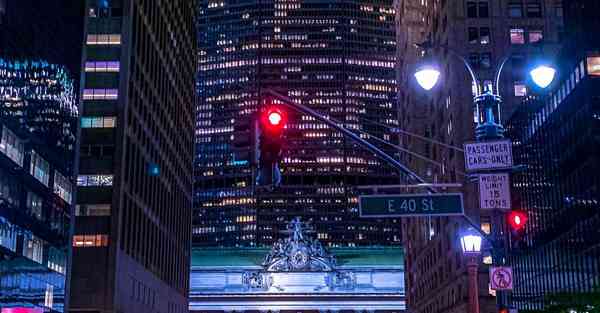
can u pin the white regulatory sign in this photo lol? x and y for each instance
(488, 155)
(501, 278)
(494, 191)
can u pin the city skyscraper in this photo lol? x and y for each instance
(131, 248)
(38, 124)
(337, 57)
(484, 33)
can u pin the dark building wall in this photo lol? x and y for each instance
(338, 57)
(135, 170)
(556, 135)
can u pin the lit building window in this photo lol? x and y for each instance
(40, 169)
(100, 94)
(517, 36)
(103, 39)
(94, 180)
(8, 236)
(111, 67)
(98, 122)
(34, 204)
(92, 210)
(33, 249)
(90, 241)
(593, 66)
(535, 36)
(12, 146)
(520, 89)
(62, 187)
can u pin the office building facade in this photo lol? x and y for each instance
(556, 135)
(133, 216)
(337, 57)
(438, 122)
(38, 117)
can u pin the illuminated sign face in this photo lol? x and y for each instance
(22, 310)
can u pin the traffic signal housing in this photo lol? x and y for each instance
(517, 220)
(271, 125)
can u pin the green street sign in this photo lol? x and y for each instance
(445, 204)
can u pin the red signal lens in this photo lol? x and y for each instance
(517, 219)
(275, 118)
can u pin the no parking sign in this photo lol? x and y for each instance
(501, 278)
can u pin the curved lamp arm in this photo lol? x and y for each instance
(429, 45)
(468, 66)
(498, 72)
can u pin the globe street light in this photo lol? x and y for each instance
(471, 247)
(543, 75)
(427, 76)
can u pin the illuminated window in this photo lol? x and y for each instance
(62, 187)
(40, 168)
(111, 67)
(535, 36)
(98, 122)
(486, 227)
(100, 94)
(34, 204)
(90, 241)
(94, 180)
(593, 66)
(103, 39)
(92, 210)
(517, 36)
(520, 89)
(484, 35)
(33, 249)
(12, 146)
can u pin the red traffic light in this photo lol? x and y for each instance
(517, 219)
(275, 118)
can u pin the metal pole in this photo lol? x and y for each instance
(306, 110)
(473, 268)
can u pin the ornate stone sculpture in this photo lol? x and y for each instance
(298, 252)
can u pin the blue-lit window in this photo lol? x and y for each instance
(33, 248)
(98, 122)
(8, 235)
(63, 188)
(94, 180)
(34, 204)
(12, 146)
(40, 168)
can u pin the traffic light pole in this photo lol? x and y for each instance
(287, 101)
(486, 131)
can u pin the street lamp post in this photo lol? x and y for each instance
(488, 129)
(471, 246)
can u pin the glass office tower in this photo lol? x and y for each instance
(337, 57)
(131, 248)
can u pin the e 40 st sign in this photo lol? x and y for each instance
(445, 204)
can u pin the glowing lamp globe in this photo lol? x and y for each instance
(471, 243)
(543, 75)
(427, 77)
